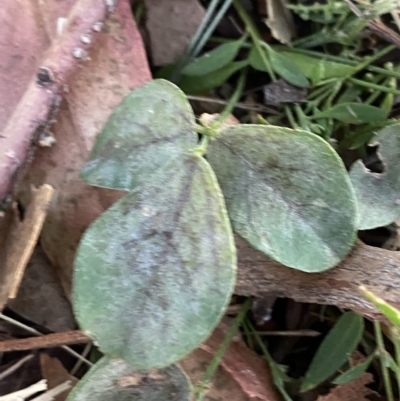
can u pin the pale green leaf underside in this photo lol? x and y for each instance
(112, 379)
(154, 273)
(335, 349)
(287, 193)
(151, 125)
(378, 195)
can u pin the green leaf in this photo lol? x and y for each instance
(287, 193)
(150, 126)
(388, 310)
(378, 195)
(154, 273)
(214, 60)
(318, 69)
(334, 350)
(354, 113)
(354, 372)
(256, 61)
(212, 80)
(286, 69)
(114, 380)
(280, 64)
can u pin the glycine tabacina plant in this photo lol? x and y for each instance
(155, 272)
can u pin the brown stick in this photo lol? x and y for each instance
(45, 341)
(378, 269)
(36, 108)
(24, 236)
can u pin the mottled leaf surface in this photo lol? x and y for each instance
(112, 379)
(287, 193)
(150, 126)
(154, 273)
(378, 195)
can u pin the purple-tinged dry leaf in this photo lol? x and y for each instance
(117, 65)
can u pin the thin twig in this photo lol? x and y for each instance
(33, 331)
(24, 236)
(16, 366)
(45, 341)
(248, 107)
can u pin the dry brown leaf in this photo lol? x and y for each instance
(222, 386)
(55, 62)
(116, 66)
(55, 373)
(280, 21)
(171, 26)
(248, 369)
(242, 375)
(355, 390)
(21, 241)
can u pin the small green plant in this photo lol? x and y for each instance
(154, 273)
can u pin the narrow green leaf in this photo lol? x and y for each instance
(214, 60)
(334, 350)
(287, 193)
(256, 61)
(282, 65)
(354, 113)
(154, 273)
(150, 126)
(114, 380)
(287, 69)
(354, 372)
(388, 310)
(378, 195)
(318, 69)
(205, 83)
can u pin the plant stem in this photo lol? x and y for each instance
(371, 59)
(232, 101)
(395, 334)
(254, 35)
(201, 149)
(344, 60)
(290, 117)
(371, 85)
(212, 367)
(384, 368)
